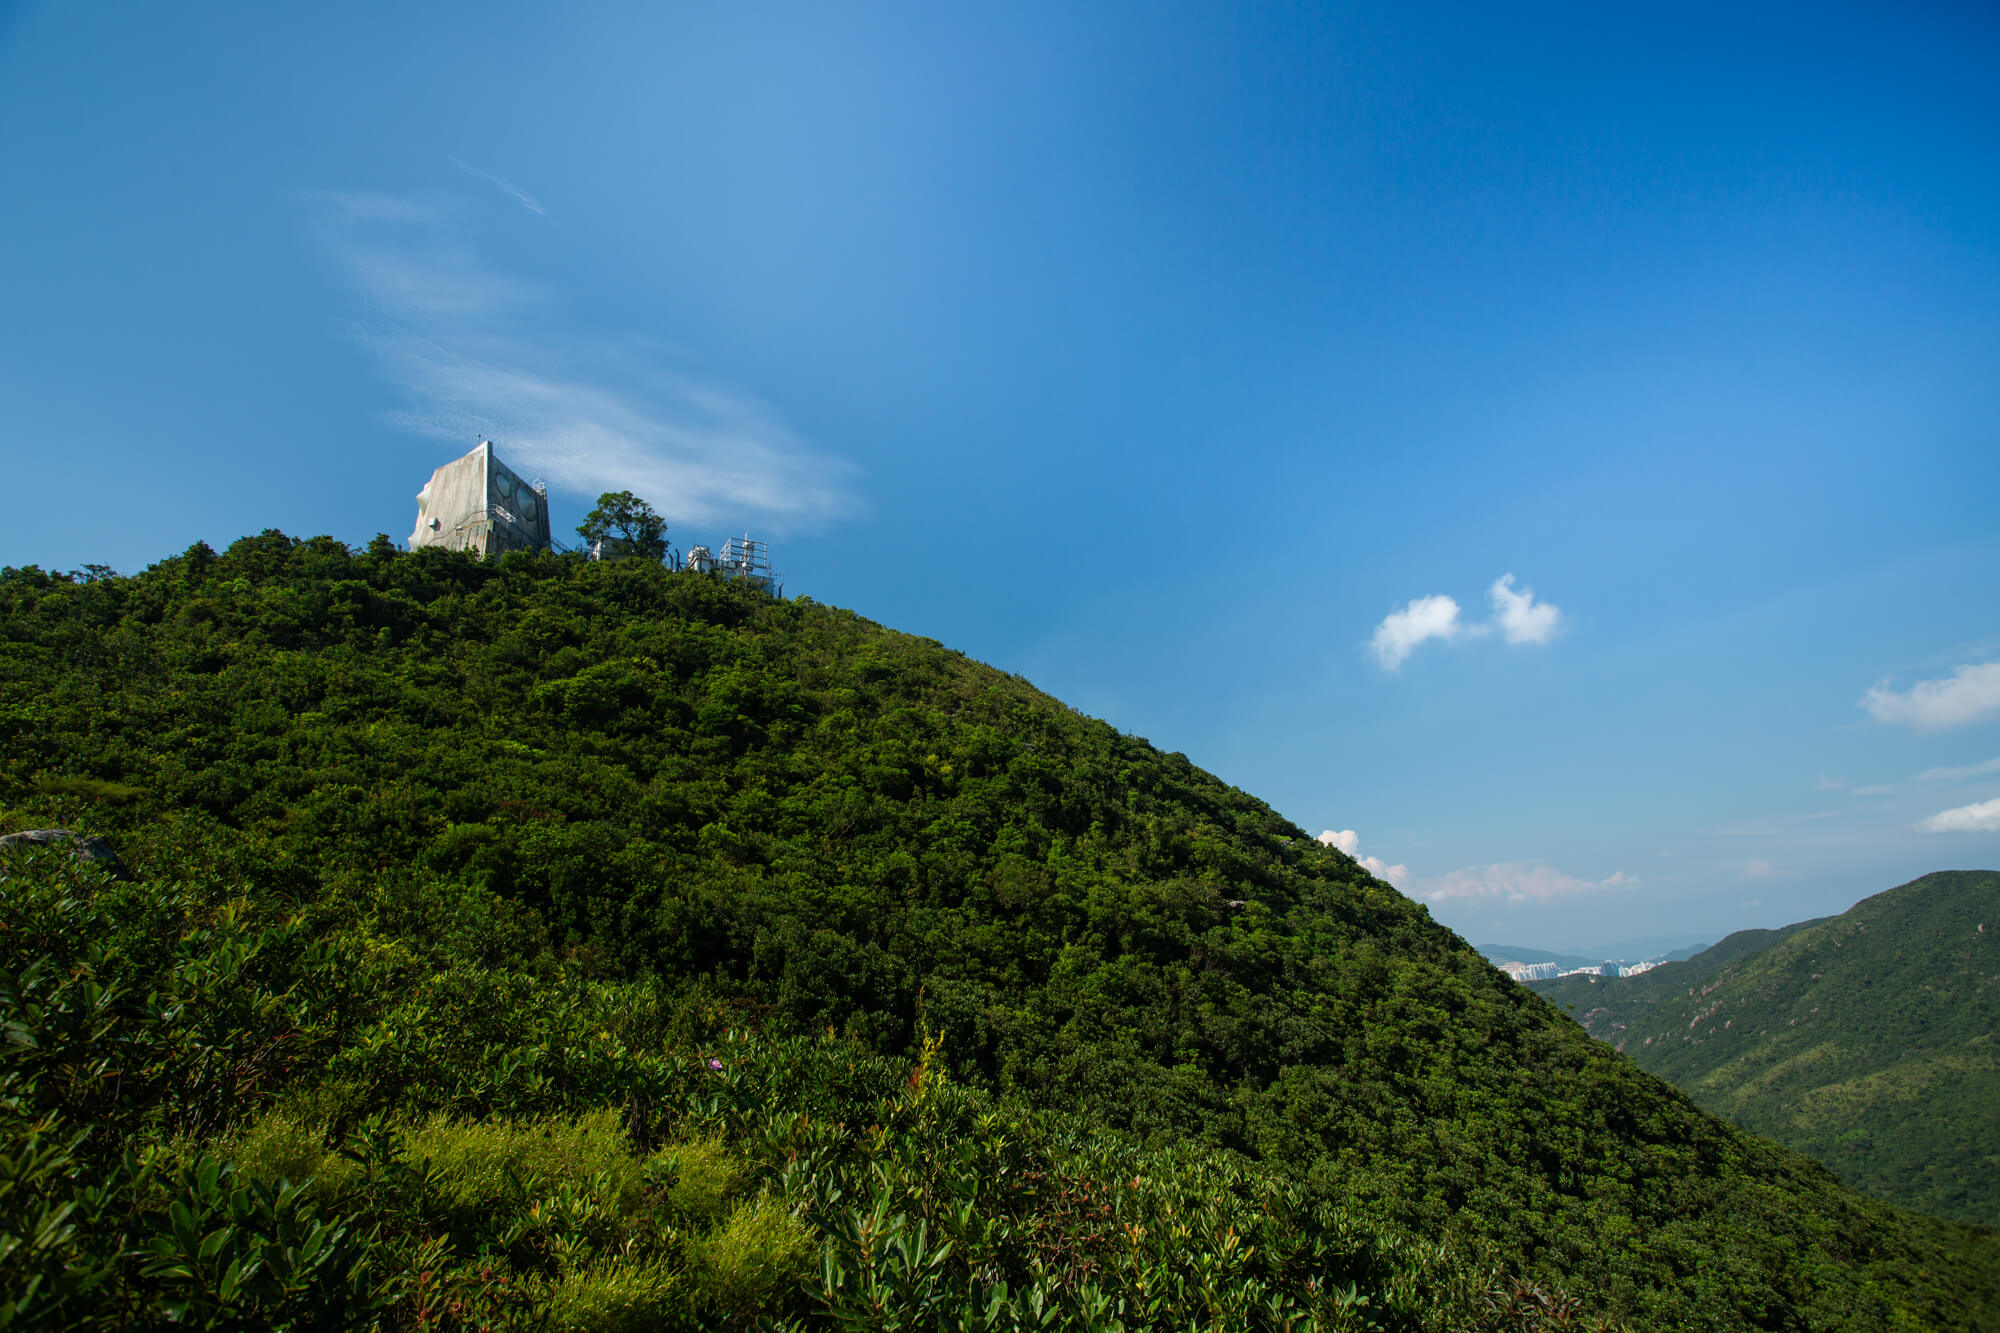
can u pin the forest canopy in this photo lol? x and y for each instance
(579, 787)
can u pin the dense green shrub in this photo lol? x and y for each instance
(638, 1183)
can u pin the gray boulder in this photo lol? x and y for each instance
(88, 848)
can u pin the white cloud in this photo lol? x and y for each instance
(1347, 840)
(1879, 789)
(1520, 617)
(1758, 868)
(506, 187)
(1983, 817)
(1519, 882)
(434, 286)
(471, 352)
(1517, 616)
(1962, 771)
(1971, 694)
(1825, 783)
(1401, 631)
(1398, 875)
(698, 453)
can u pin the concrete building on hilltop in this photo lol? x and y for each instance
(477, 503)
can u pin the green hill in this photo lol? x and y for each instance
(853, 976)
(1866, 1039)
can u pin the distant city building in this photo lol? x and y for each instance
(1549, 971)
(477, 503)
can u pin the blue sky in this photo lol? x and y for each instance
(1178, 358)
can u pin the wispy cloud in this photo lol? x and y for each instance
(1759, 868)
(365, 206)
(506, 187)
(1518, 882)
(1347, 840)
(1517, 616)
(1970, 694)
(1982, 817)
(473, 352)
(1878, 789)
(1959, 773)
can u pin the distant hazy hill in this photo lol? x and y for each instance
(1514, 953)
(1866, 1039)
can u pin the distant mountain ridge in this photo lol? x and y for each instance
(1518, 953)
(1514, 953)
(1866, 1040)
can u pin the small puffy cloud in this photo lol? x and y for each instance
(1959, 772)
(1970, 694)
(1517, 617)
(1519, 882)
(1399, 875)
(1521, 618)
(1983, 817)
(1401, 631)
(1348, 841)
(1758, 868)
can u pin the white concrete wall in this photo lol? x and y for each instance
(477, 503)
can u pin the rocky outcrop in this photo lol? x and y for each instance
(87, 847)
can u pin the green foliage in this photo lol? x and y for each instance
(755, 1259)
(1866, 1040)
(284, 1147)
(482, 1164)
(88, 788)
(439, 855)
(631, 1183)
(610, 1296)
(702, 1175)
(626, 526)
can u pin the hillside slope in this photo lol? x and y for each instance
(781, 814)
(1867, 1040)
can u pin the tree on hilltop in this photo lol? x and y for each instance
(623, 524)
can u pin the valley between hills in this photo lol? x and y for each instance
(547, 943)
